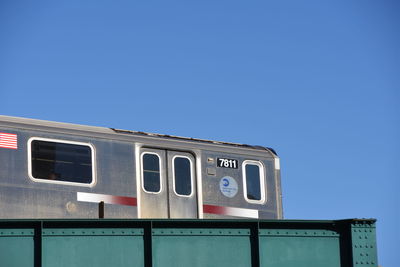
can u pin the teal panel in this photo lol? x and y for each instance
(16, 247)
(201, 247)
(92, 247)
(299, 248)
(364, 245)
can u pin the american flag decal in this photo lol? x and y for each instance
(8, 140)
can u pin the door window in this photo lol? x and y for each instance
(151, 173)
(183, 178)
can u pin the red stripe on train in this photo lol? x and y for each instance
(108, 199)
(214, 209)
(231, 211)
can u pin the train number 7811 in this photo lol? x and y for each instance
(227, 163)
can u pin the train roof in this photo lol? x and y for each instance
(21, 122)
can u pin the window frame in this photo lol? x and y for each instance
(191, 176)
(93, 161)
(263, 188)
(142, 172)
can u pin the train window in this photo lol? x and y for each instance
(253, 181)
(182, 176)
(151, 173)
(61, 161)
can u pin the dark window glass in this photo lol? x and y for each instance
(61, 162)
(253, 182)
(183, 179)
(151, 173)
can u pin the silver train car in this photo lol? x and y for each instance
(60, 170)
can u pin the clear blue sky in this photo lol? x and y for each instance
(319, 81)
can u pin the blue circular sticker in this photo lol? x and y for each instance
(228, 186)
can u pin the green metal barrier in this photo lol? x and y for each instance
(189, 243)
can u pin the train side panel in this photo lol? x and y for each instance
(23, 196)
(54, 170)
(225, 193)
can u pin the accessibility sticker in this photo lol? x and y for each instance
(228, 186)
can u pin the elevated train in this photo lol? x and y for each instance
(60, 170)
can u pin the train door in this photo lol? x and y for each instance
(167, 184)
